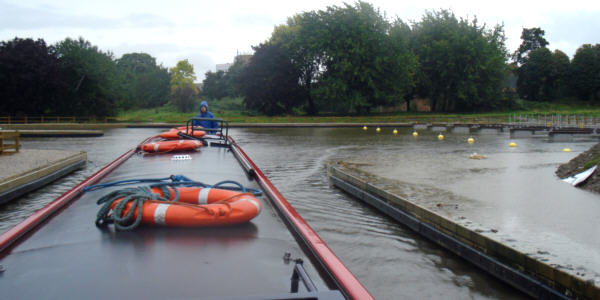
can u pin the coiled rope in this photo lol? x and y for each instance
(136, 196)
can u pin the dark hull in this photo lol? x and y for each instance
(67, 257)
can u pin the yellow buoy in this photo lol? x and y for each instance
(566, 150)
(415, 133)
(395, 131)
(378, 129)
(440, 137)
(512, 144)
(470, 140)
(364, 127)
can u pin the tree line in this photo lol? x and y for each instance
(352, 59)
(545, 76)
(73, 77)
(344, 59)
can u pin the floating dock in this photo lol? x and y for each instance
(526, 273)
(27, 170)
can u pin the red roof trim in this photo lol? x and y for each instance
(342, 274)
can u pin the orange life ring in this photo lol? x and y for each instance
(198, 207)
(173, 133)
(168, 146)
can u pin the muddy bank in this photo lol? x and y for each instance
(581, 163)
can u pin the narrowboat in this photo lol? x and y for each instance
(133, 230)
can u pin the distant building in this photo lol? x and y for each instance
(223, 67)
(244, 58)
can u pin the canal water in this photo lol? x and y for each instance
(389, 259)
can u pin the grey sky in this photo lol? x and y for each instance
(212, 32)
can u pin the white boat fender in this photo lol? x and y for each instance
(581, 177)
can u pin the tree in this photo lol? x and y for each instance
(184, 97)
(533, 39)
(585, 72)
(30, 77)
(92, 79)
(215, 85)
(462, 66)
(543, 75)
(302, 42)
(183, 89)
(364, 67)
(401, 33)
(270, 81)
(559, 74)
(232, 76)
(535, 80)
(220, 84)
(346, 57)
(145, 84)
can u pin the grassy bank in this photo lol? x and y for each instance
(232, 109)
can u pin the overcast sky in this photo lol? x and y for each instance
(213, 32)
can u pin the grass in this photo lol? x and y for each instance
(232, 110)
(594, 162)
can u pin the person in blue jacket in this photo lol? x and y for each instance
(204, 113)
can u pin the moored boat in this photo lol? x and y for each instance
(60, 252)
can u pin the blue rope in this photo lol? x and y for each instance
(239, 187)
(176, 180)
(122, 182)
(219, 184)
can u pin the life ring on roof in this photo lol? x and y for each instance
(168, 146)
(195, 207)
(173, 133)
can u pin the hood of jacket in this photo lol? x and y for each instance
(203, 103)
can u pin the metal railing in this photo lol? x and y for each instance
(220, 133)
(553, 120)
(37, 119)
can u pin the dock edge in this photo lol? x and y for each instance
(525, 273)
(24, 183)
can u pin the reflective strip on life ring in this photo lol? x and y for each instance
(254, 202)
(194, 195)
(203, 196)
(160, 213)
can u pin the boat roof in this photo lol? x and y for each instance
(69, 257)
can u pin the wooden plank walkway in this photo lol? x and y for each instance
(28, 170)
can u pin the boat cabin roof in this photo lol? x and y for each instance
(70, 258)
